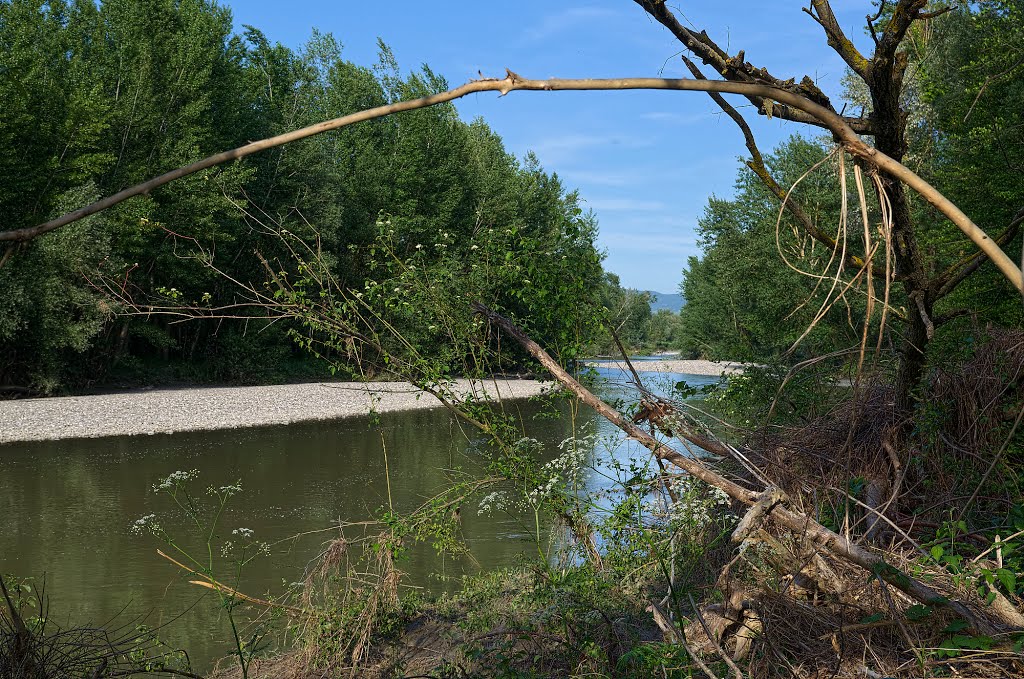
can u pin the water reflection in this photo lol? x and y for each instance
(66, 506)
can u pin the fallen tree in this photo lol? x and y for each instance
(764, 502)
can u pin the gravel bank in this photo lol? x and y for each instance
(685, 366)
(176, 410)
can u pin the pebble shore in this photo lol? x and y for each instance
(675, 365)
(169, 411)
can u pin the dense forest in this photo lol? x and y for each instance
(98, 96)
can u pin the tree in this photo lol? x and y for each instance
(627, 315)
(753, 293)
(664, 331)
(883, 74)
(818, 492)
(102, 94)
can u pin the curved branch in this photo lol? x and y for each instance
(513, 82)
(872, 19)
(958, 272)
(737, 70)
(758, 167)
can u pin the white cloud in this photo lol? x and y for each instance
(568, 19)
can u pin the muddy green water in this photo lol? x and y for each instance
(66, 509)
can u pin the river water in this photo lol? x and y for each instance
(67, 507)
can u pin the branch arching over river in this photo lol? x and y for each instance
(512, 82)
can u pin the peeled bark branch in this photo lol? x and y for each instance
(513, 82)
(797, 522)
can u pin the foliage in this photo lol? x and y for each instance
(745, 301)
(627, 313)
(746, 298)
(376, 274)
(35, 645)
(103, 95)
(219, 558)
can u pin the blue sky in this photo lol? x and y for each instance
(645, 162)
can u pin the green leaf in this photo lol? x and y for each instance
(1008, 579)
(956, 626)
(918, 612)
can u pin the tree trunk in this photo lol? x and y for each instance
(890, 120)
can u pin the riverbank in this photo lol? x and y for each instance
(178, 410)
(685, 366)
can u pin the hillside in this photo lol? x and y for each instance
(662, 300)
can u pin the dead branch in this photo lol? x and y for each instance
(758, 167)
(219, 587)
(905, 13)
(793, 520)
(738, 70)
(958, 272)
(837, 40)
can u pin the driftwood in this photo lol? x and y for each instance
(782, 515)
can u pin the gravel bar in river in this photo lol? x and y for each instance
(202, 409)
(685, 366)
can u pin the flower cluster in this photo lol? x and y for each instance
(563, 469)
(499, 500)
(699, 504)
(175, 479)
(225, 491)
(147, 523)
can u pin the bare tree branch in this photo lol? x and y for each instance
(872, 19)
(738, 70)
(821, 12)
(956, 274)
(513, 82)
(758, 167)
(905, 13)
(8, 251)
(988, 81)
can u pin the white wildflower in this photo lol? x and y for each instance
(175, 479)
(145, 523)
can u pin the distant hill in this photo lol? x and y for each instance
(663, 300)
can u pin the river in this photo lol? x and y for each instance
(67, 507)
